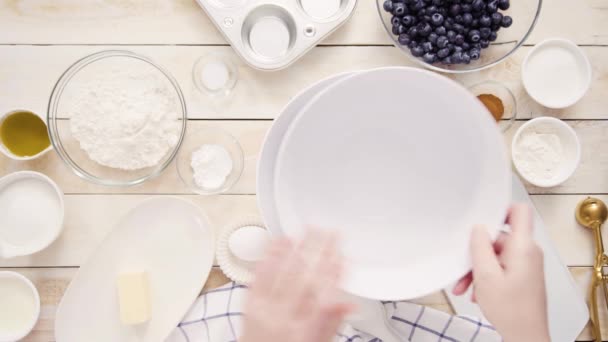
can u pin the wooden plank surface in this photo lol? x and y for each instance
(587, 179)
(89, 218)
(27, 83)
(183, 22)
(52, 283)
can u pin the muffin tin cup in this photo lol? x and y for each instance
(272, 34)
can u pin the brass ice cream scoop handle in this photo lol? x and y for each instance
(592, 213)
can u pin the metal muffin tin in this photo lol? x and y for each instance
(272, 34)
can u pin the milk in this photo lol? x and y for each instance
(17, 306)
(30, 211)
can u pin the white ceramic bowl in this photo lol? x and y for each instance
(51, 232)
(403, 185)
(568, 73)
(28, 326)
(570, 144)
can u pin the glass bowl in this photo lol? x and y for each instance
(525, 15)
(118, 67)
(505, 95)
(209, 136)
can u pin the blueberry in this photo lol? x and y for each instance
(493, 36)
(485, 32)
(417, 51)
(431, 10)
(437, 2)
(433, 38)
(466, 58)
(458, 28)
(451, 36)
(458, 49)
(475, 23)
(478, 5)
(437, 19)
(448, 25)
(396, 21)
(506, 21)
(496, 18)
(425, 30)
(455, 9)
(466, 8)
(399, 9)
(417, 6)
(504, 4)
(429, 57)
(485, 20)
(466, 46)
(396, 30)
(451, 47)
(492, 6)
(412, 44)
(388, 6)
(447, 60)
(441, 30)
(475, 54)
(459, 19)
(442, 42)
(404, 39)
(422, 13)
(459, 40)
(457, 57)
(484, 43)
(475, 46)
(474, 36)
(408, 20)
(412, 32)
(442, 53)
(467, 19)
(427, 46)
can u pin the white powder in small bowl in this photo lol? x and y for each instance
(211, 165)
(539, 155)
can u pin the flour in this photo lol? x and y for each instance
(211, 164)
(539, 155)
(124, 113)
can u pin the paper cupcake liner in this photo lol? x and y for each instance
(238, 270)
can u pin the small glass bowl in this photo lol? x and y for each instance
(215, 74)
(205, 136)
(505, 95)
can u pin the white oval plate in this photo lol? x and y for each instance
(402, 163)
(167, 237)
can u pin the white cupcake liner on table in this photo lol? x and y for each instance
(238, 270)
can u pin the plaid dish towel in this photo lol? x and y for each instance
(216, 317)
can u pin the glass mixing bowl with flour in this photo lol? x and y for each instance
(117, 118)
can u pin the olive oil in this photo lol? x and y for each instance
(24, 134)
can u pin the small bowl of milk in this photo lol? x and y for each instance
(31, 213)
(556, 73)
(19, 306)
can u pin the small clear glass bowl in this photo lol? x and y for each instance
(505, 95)
(215, 74)
(209, 136)
(525, 15)
(68, 147)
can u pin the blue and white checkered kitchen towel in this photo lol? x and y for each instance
(216, 317)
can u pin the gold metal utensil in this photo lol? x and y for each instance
(592, 213)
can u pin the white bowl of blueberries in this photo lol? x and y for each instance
(458, 36)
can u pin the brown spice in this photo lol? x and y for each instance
(494, 105)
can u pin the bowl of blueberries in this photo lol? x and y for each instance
(458, 36)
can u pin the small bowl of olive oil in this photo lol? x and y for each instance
(23, 135)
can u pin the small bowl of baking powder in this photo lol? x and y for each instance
(210, 161)
(546, 151)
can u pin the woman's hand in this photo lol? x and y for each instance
(508, 279)
(293, 296)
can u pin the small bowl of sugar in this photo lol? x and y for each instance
(210, 161)
(546, 151)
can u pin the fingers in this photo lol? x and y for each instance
(463, 284)
(521, 221)
(485, 261)
(266, 275)
(330, 321)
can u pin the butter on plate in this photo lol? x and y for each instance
(134, 298)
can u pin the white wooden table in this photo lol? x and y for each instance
(40, 38)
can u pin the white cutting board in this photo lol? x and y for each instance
(167, 237)
(568, 312)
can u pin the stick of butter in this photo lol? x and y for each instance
(134, 298)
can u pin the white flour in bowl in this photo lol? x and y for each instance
(539, 155)
(211, 165)
(124, 113)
